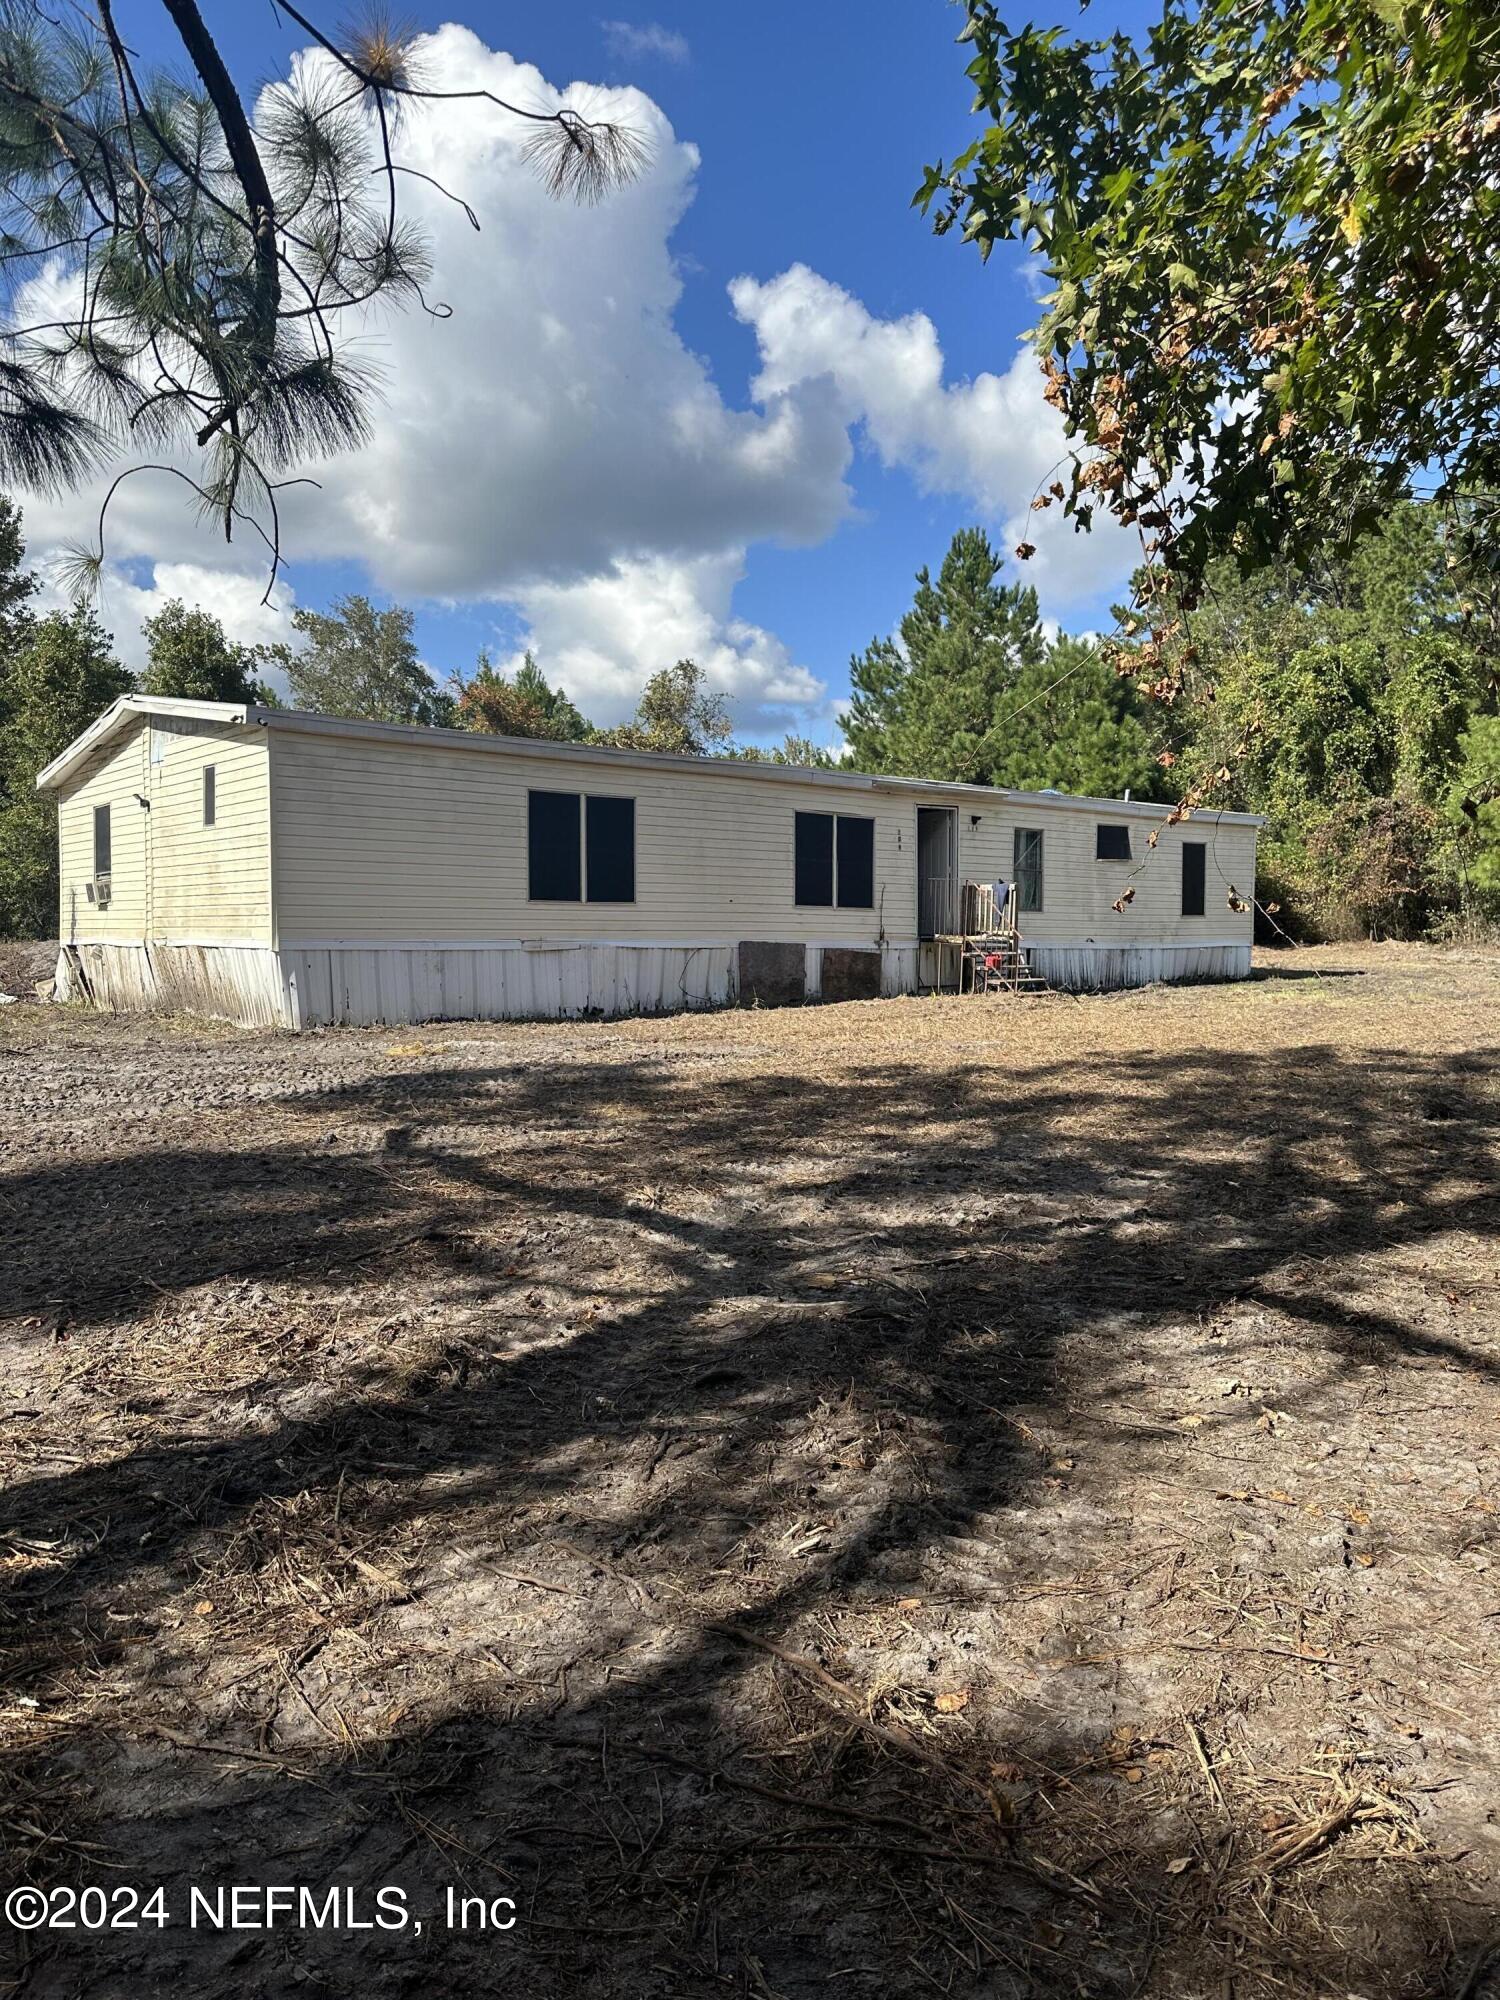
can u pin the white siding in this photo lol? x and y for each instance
(112, 777)
(173, 879)
(1078, 890)
(209, 884)
(379, 843)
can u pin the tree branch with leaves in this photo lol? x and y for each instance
(1269, 227)
(211, 255)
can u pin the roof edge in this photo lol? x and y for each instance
(410, 734)
(132, 707)
(126, 709)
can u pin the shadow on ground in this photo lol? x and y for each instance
(644, 1510)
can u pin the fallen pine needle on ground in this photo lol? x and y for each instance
(1000, 1495)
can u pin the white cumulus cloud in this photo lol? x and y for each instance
(556, 447)
(235, 597)
(603, 638)
(991, 440)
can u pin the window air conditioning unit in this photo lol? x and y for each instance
(101, 891)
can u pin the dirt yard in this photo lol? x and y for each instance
(987, 1496)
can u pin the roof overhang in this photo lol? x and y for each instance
(124, 714)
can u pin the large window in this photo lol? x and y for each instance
(609, 850)
(1111, 843)
(579, 849)
(1027, 853)
(1194, 877)
(101, 840)
(834, 861)
(210, 795)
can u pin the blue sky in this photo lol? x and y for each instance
(811, 125)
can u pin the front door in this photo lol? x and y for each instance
(937, 871)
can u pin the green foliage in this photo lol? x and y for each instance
(497, 705)
(189, 658)
(1473, 801)
(1282, 209)
(62, 676)
(804, 753)
(1341, 702)
(974, 693)
(676, 714)
(930, 705)
(1075, 725)
(17, 584)
(359, 662)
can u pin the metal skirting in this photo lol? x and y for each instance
(353, 985)
(1094, 968)
(313, 986)
(328, 986)
(231, 982)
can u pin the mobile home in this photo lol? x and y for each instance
(286, 869)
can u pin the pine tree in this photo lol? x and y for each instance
(1072, 724)
(493, 703)
(564, 722)
(929, 706)
(207, 255)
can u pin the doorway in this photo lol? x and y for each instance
(937, 871)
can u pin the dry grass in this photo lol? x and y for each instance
(995, 1495)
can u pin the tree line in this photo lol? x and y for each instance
(1354, 700)
(1356, 704)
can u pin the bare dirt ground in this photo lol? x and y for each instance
(1000, 1497)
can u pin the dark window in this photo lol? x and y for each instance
(209, 801)
(1111, 843)
(814, 859)
(101, 840)
(856, 856)
(609, 839)
(1194, 877)
(554, 858)
(1028, 868)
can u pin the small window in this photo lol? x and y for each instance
(814, 860)
(554, 857)
(209, 801)
(1194, 877)
(1111, 843)
(855, 886)
(101, 840)
(609, 844)
(1027, 852)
